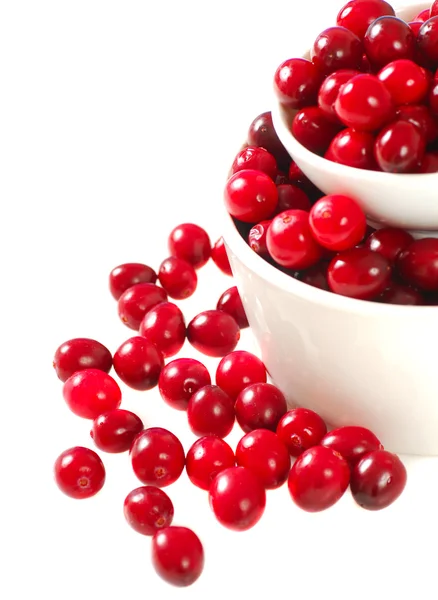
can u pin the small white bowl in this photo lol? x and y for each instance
(399, 200)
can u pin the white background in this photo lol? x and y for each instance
(118, 121)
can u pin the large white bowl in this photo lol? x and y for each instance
(400, 200)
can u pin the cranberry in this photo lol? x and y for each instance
(318, 478)
(220, 257)
(329, 90)
(148, 509)
(138, 363)
(424, 15)
(429, 164)
(79, 354)
(364, 103)
(399, 147)
(420, 116)
(389, 242)
(290, 242)
(164, 326)
(418, 264)
(178, 278)
(206, 458)
(290, 196)
(337, 222)
(389, 38)
(433, 99)
(211, 412)
(180, 379)
(415, 26)
(237, 498)
(433, 9)
(157, 457)
(357, 16)
(257, 159)
(297, 177)
(336, 48)
(238, 370)
(316, 276)
(427, 40)
(359, 273)
(91, 392)
(257, 236)
(213, 332)
(397, 293)
(406, 81)
(313, 130)
(177, 555)
(378, 480)
(353, 148)
(125, 276)
(231, 303)
(262, 133)
(115, 430)
(296, 82)
(79, 472)
(352, 442)
(137, 300)
(263, 453)
(300, 429)
(190, 243)
(250, 196)
(260, 406)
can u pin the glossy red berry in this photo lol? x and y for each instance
(263, 453)
(260, 406)
(336, 48)
(178, 278)
(190, 243)
(296, 82)
(378, 480)
(213, 332)
(164, 326)
(177, 555)
(91, 392)
(318, 479)
(423, 15)
(257, 237)
(148, 509)
(329, 90)
(292, 197)
(79, 354)
(257, 159)
(211, 412)
(399, 148)
(337, 222)
(352, 442)
(397, 293)
(157, 457)
(79, 472)
(353, 148)
(313, 130)
(389, 242)
(237, 498)
(415, 26)
(300, 429)
(433, 99)
(230, 302)
(358, 16)
(115, 430)
(262, 133)
(207, 457)
(420, 116)
(125, 276)
(418, 264)
(238, 370)
(433, 9)
(427, 40)
(138, 363)
(180, 379)
(406, 81)
(389, 38)
(359, 273)
(220, 257)
(137, 300)
(250, 196)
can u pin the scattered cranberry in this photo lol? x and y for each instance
(337, 222)
(237, 498)
(263, 453)
(359, 273)
(115, 430)
(406, 81)
(178, 278)
(353, 148)
(91, 392)
(316, 276)
(250, 196)
(138, 363)
(137, 300)
(424, 15)
(206, 458)
(358, 16)
(177, 555)
(238, 370)
(290, 196)
(190, 243)
(388, 38)
(262, 133)
(313, 130)
(418, 264)
(220, 257)
(148, 509)
(300, 429)
(389, 242)
(336, 48)
(397, 293)
(157, 457)
(180, 379)
(329, 90)
(164, 326)
(427, 39)
(211, 412)
(256, 158)
(352, 442)
(260, 406)
(296, 82)
(213, 332)
(399, 148)
(79, 472)
(420, 116)
(230, 302)
(378, 480)
(79, 354)
(257, 237)
(125, 276)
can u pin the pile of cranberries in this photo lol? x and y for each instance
(326, 463)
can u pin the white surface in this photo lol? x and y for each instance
(118, 121)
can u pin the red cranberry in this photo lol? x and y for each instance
(424, 15)
(427, 40)
(178, 278)
(250, 196)
(316, 276)
(353, 148)
(79, 354)
(337, 222)
(364, 103)
(137, 300)
(260, 406)
(180, 379)
(290, 242)
(177, 555)
(296, 82)
(262, 133)
(397, 293)
(378, 480)
(389, 242)
(206, 458)
(237, 498)
(433, 99)
(399, 147)
(329, 90)
(357, 16)
(433, 9)
(91, 392)
(190, 243)
(388, 38)
(148, 509)
(290, 196)
(418, 264)
(211, 412)
(359, 273)
(164, 326)
(138, 363)
(220, 257)
(336, 48)
(79, 472)
(429, 163)
(125, 276)
(230, 302)
(238, 370)
(420, 116)
(300, 429)
(115, 430)
(157, 457)
(257, 159)
(406, 81)
(313, 130)
(263, 453)
(296, 177)
(213, 332)
(257, 236)
(318, 478)
(415, 26)
(352, 442)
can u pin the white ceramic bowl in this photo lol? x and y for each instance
(400, 200)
